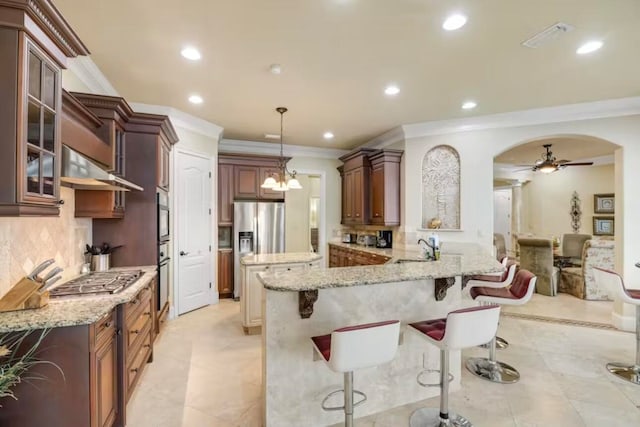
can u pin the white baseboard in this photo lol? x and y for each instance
(624, 323)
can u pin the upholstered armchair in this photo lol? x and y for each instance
(536, 255)
(572, 245)
(580, 281)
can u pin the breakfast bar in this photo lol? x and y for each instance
(299, 305)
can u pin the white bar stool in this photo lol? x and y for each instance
(615, 283)
(518, 293)
(496, 281)
(356, 347)
(462, 328)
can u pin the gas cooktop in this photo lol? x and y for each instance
(107, 282)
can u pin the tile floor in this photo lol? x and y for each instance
(206, 373)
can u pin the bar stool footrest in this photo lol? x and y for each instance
(341, 408)
(430, 371)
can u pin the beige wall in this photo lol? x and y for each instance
(546, 199)
(297, 217)
(26, 242)
(330, 205)
(72, 83)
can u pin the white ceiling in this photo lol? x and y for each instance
(338, 55)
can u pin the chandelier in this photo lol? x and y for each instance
(280, 182)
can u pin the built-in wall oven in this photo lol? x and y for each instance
(163, 275)
(163, 216)
(163, 250)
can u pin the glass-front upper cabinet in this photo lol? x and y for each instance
(42, 137)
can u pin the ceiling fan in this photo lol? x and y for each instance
(548, 163)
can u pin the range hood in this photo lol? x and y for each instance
(80, 173)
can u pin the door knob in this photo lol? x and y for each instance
(183, 253)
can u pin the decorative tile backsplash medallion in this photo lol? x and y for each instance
(25, 242)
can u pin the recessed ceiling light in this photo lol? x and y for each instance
(454, 22)
(275, 69)
(328, 135)
(191, 53)
(392, 90)
(469, 105)
(196, 99)
(588, 47)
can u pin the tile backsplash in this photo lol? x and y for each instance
(25, 242)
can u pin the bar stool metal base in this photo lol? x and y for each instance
(501, 344)
(430, 417)
(494, 371)
(629, 373)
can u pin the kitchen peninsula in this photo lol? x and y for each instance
(299, 305)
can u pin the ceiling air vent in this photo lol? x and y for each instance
(547, 35)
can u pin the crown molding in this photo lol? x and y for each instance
(181, 119)
(536, 116)
(257, 147)
(386, 139)
(88, 73)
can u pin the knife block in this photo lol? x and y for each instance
(24, 295)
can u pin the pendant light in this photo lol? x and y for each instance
(280, 182)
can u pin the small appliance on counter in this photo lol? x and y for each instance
(349, 237)
(385, 239)
(367, 240)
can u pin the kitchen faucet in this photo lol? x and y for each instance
(425, 250)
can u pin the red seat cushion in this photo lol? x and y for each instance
(432, 328)
(323, 343)
(517, 290)
(633, 293)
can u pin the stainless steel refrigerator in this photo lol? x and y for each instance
(258, 228)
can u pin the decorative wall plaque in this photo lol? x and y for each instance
(441, 188)
(575, 212)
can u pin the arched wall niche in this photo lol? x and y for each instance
(441, 188)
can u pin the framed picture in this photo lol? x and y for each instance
(603, 226)
(604, 203)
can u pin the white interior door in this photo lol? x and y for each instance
(193, 202)
(502, 215)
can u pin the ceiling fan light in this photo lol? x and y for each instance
(270, 182)
(294, 184)
(547, 168)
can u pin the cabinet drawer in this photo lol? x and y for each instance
(141, 301)
(135, 367)
(105, 328)
(136, 329)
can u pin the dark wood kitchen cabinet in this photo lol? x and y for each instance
(385, 187)
(340, 256)
(356, 173)
(371, 187)
(35, 43)
(239, 178)
(88, 394)
(114, 113)
(137, 231)
(225, 273)
(164, 152)
(225, 195)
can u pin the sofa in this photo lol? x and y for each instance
(580, 281)
(536, 255)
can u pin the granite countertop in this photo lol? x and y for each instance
(282, 258)
(74, 311)
(457, 259)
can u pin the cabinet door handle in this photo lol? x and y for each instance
(357, 214)
(106, 325)
(147, 313)
(134, 370)
(134, 331)
(183, 253)
(135, 301)
(147, 346)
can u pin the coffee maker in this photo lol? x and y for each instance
(385, 239)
